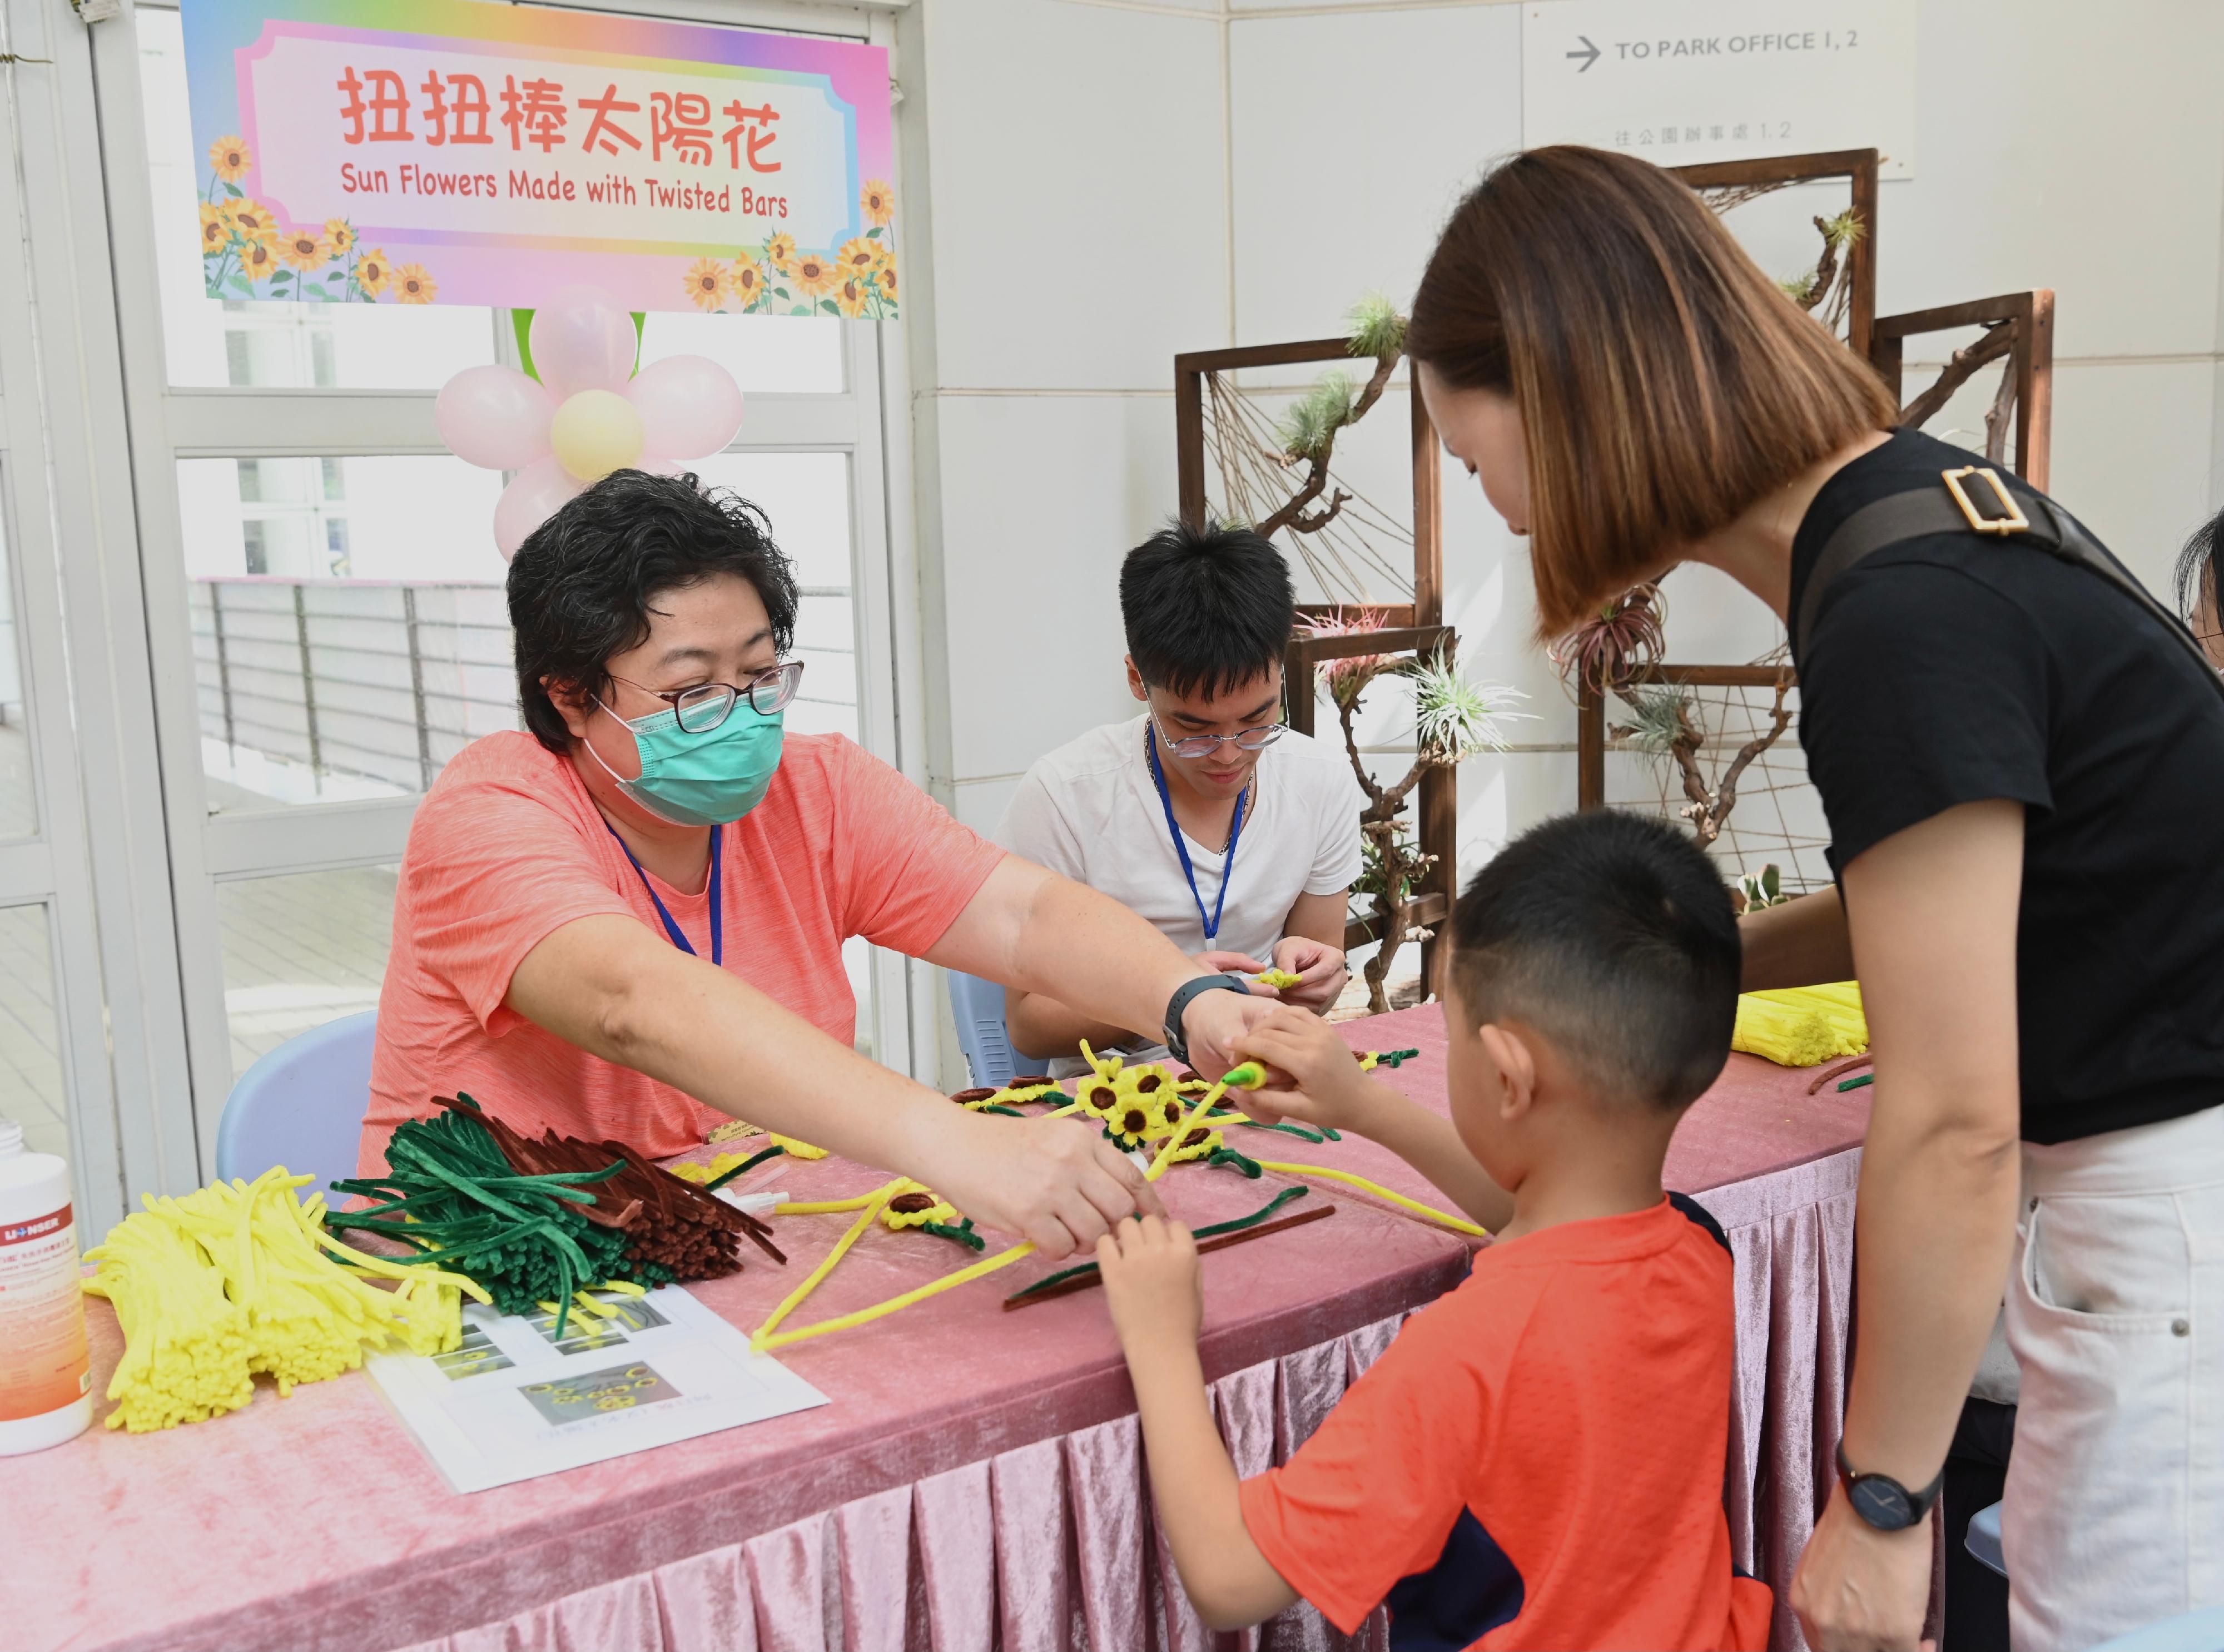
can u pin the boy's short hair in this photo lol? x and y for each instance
(1206, 609)
(1612, 935)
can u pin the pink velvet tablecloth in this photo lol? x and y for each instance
(976, 1483)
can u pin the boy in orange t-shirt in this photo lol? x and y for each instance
(1538, 1460)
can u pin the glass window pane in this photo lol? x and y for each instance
(763, 353)
(19, 813)
(806, 499)
(300, 951)
(349, 629)
(327, 342)
(30, 1046)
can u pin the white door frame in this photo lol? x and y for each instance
(153, 853)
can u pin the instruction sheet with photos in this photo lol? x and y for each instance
(515, 1401)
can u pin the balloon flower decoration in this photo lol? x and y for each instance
(582, 412)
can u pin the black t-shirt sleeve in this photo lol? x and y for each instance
(1921, 688)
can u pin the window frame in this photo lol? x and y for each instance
(155, 424)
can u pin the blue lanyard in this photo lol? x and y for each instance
(1227, 861)
(718, 899)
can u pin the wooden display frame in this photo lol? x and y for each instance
(2024, 324)
(2025, 333)
(1859, 168)
(1412, 628)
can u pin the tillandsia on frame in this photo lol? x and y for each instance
(1453, 719)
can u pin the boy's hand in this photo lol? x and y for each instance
(1320, 970)
(1326, 1087)
(1151, 1284)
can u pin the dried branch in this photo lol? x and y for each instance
(1315, 480)
(1826, 268)
(1733, 196)
(1998, 340)
(1725, 798)
(1384, 366)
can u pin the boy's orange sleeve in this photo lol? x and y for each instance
(1372, 1496)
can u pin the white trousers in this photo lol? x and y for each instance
(2114, 1514)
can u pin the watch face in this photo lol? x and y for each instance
(1881, 1503)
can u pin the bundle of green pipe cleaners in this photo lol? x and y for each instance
(451, 1194)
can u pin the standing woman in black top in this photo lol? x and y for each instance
(2023, 766)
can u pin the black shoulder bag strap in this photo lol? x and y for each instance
(1952, 509)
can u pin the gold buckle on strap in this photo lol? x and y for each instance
(2014, 522)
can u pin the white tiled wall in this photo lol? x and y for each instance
(1112, 180)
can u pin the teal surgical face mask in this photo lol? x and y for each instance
(700, 780)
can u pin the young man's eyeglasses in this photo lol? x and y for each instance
(1195, 746)
(704, 707)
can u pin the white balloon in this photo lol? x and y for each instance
(690, 406)
(533, 497)
(495, 417)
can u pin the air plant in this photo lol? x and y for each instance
(1756, 892)
(1603, 655)
(1345, 680)
(1308, 430)
(1375, 327)
(1453, 718)
(1661, 721)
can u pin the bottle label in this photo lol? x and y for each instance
(44, 1364)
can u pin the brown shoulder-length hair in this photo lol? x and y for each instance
(1664, 382)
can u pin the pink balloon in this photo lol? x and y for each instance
(533, 497)
(690, 406)
(496, 417)
(582, 340)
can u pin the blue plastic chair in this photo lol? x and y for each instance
(977, 1006)
(301, 1105)
(1983, 1539)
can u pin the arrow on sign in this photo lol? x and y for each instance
(1590, 53)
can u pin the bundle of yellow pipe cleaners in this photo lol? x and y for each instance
(1802, 1026)
(233, 1280)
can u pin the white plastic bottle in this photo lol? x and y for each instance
(46, 1376)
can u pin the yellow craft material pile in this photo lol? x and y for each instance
(1802, 1026)
(233, 1280)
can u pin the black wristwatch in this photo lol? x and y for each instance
(1177, 1005)
(1882, 1501)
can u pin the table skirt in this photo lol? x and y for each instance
(1049, 1546)
(1054, 1545)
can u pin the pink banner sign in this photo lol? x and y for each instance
(451, 151)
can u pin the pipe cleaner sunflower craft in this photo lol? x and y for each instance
(1140, 1108)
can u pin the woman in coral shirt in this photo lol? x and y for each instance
(627, 921)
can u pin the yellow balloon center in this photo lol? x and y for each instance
(595, 433)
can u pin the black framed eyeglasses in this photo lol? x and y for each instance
(706, 705)
(1194, 746)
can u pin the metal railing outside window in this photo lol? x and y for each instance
(317, 688)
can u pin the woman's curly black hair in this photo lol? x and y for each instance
(582, 586)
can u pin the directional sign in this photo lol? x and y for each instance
(1682, 81)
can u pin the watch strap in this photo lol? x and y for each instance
(1179, 1005)
(1895, 1496)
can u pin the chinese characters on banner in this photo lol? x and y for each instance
(420, 151)
(1683, 82)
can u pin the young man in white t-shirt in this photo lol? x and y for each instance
(1237, 837)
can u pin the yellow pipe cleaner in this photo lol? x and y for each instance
(1248, 1076)
(1458, 1225)
(879, 1197)
(882, 1310)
